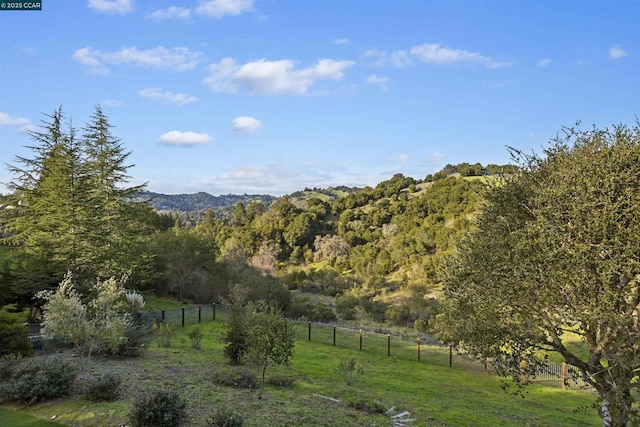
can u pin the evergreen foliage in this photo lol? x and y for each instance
(72, 210)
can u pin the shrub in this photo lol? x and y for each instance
(239, 377)
(349, 369)
(159, 409)
(103, 388)
(420, 325)
(164, 333)
(281, 380)
(196, 336)
(34, 380)
(14, 336)
(133, 345)
(224, 417)
(366, 405)
(235, 334)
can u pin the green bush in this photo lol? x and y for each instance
(34, 380)
(224, 417)
(303, 309)
(239, 377)
(159, 409)
(14, 336)
(134, 344)
(349, 369)
(164, 332)
(281, 380)
(366, 405)
(103, 388)
(196, 336)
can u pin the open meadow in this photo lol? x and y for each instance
(299, 395)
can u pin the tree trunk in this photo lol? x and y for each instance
(264, 370)
(615, 408)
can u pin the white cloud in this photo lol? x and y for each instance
(437, 54)
(184, 138)
(341, 41)
(399, 59)
(170, 12)
(544, 62)
(157, 94)
(112, 6)
(616, 52)
(377, 57)
(174, 59)
(246, 124)
(264, 77)
(378, 80)
(220, 8)
(7, 120)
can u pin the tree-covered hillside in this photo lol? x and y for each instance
(375, 251)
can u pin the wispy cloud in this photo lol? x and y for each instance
(544, 62)
(616, 52)
(341, 41)
(265, 77)
(377, 57)
(157, 94)
(428, 53)
(378, 80)
(170, 12)
(246, 124)
(437, 54)
(7, 120)
(162, 58)
(118, 7)
(280, 178)
(220, 8)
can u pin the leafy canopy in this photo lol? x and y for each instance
(557, 251)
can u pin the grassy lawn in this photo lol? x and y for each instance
(18, 419)
(434, 395)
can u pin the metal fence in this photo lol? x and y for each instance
(425, 352)
(178, 317)
(422, 350)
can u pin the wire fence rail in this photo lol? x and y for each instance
(423, 351)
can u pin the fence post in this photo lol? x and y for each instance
(183, 317)
(523, 370)
(199, 313)
(388, 344)
(360, 339)
(486, 363)
(450, 356)
(418, 349)
(334, 336)
(564, 375)
(214, 311)
(309, 330)
(163, 315)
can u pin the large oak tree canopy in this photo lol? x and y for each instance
(556, 252)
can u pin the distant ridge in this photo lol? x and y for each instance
(198, 202)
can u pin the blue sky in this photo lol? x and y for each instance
(267, 96)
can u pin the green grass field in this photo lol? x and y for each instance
(434, 395)
(11, 418)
